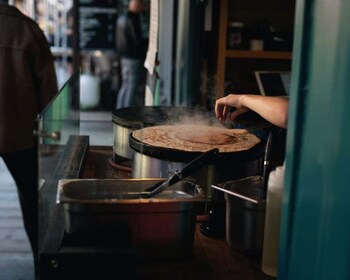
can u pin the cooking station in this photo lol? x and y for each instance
(111, 254)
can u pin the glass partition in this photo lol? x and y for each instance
(55, 124)
(58, 121)
(98, 126)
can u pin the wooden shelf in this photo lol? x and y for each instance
(230, 11)
(259, 54)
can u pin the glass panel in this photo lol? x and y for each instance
(98, 126)
(55, 124)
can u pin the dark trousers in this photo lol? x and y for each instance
(23, 166)
(132, 77)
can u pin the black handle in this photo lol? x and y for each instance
(193, 166)
(267, 163)
(190, 168)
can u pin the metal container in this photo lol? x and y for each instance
(162, 226)
(126, 120)
(245, 214)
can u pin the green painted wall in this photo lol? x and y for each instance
(315, 230)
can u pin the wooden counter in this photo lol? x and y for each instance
(66, 257)
(212, 259)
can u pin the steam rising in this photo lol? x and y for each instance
(192, 116)
(210, 90)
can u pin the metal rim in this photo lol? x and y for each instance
(182, 156)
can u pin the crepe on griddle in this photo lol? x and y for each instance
(196, 138)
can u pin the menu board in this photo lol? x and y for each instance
(97, 20)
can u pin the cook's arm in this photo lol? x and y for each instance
(273, 109)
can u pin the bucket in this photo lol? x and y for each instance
(89, 92)
(245, 214)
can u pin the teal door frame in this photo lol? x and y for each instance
(190, 26)
(315, 228)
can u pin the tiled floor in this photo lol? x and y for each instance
(16, 261)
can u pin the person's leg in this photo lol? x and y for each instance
(23, 166)
(131, 78)
(124, 89)
(134, 97)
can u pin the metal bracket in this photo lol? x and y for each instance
(55, 135)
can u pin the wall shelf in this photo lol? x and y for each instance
(258, 54)
(230, 67)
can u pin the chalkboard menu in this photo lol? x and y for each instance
(97, 19)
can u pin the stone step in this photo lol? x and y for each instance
(16, 266)
(14, 240)
(11, 222)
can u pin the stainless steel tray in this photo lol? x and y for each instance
(162, 226)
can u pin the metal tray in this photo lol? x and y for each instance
(162, 226)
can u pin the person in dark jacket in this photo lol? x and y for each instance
(27, 84)
(132, 47)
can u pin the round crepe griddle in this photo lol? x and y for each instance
(185, 142)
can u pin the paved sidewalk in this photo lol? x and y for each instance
(16, 260)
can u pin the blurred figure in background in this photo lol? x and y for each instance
(132, 48)
(27, 84)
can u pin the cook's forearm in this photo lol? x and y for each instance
(273, 109)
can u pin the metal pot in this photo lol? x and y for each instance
(245, 214)
(126, 120)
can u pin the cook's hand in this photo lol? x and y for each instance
(224, 104)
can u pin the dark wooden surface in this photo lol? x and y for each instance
(97, 164)
(212, 258)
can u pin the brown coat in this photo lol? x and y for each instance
(27, 78)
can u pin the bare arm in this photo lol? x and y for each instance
(273, 109)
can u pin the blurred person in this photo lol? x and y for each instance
(27, 84)
(271, 108)
(132, 48)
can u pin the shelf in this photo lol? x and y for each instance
(237, 10)
(259, 54)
